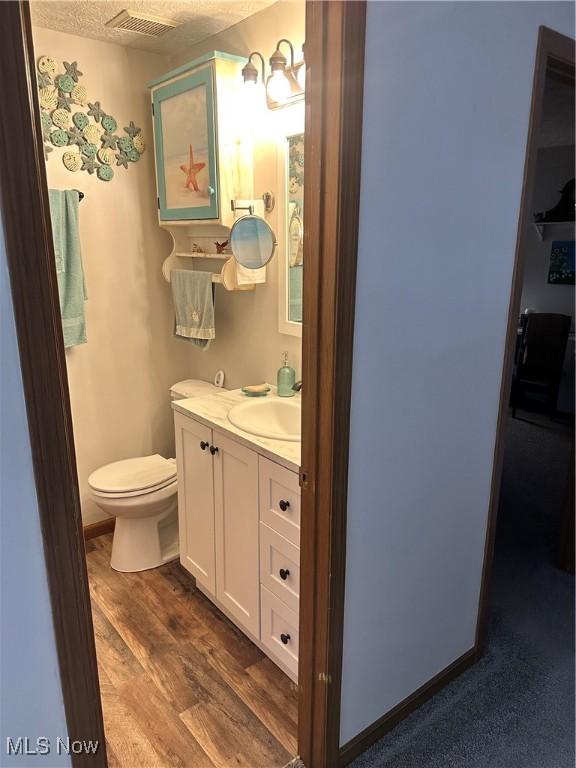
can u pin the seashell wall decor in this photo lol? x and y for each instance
(83, 127)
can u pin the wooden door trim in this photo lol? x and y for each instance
(335, 57)
(384, 724)
(31, 266)
(558, 50)
(335, 35)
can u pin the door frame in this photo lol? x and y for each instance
(335, 42)
(31, 266)
(334, 95)
(556, 50)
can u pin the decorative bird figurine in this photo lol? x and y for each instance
(221, 247)
(564, 208)
(191, 170)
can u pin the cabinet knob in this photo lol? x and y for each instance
(211, 190)
(213, 450)
(284, 505)
(285, 638)
(284, 573)
(204, 444)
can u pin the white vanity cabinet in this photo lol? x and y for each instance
(236, 530)
(279, 563)
(218, 517)
(239, 518)
(196, 500)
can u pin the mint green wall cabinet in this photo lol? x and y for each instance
(203, 160)
(185, 147)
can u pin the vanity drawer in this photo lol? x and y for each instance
(280, 566)
(279, 628)
(280, 499)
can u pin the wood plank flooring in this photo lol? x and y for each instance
(181, 686)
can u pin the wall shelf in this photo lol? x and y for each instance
(551, 230)
(202, 255)
(191, 247)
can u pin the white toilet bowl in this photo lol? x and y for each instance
(142, 494)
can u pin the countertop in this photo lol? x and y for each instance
(212, 411)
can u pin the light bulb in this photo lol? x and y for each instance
(278, 87)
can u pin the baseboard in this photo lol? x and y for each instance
(99, 528)
(380, 727)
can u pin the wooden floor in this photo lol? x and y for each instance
(181, 686)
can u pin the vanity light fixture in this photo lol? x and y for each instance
(250, 72)
(285, 83)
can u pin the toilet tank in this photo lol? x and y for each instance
(193, 388)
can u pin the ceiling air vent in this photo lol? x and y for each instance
(143, 23)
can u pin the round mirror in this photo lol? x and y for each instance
(252, 242)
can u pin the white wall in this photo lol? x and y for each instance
(31, 698)
(447, 99)
(248, 345)
(119, 380)
(554, 168)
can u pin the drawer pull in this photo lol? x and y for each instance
(285, 638)
(213, 450)
(284, 505)
(204, 445)
(284, 573)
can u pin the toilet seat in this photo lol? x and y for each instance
(134, 494)
(133, 477)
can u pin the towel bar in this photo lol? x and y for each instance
(172, 263)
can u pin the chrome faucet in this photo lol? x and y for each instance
(297, 387)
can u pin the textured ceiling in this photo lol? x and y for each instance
(199, 19)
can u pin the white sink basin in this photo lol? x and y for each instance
(273, 418)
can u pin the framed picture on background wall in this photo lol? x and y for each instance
(561, 270)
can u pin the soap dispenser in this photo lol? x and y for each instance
(286, 378)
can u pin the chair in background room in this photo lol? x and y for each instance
(540, 359)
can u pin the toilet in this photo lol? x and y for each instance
(142, 494)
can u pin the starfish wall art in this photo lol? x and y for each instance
(191, 170)
(84, 128)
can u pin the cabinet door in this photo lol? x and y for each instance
(236, 520)
(196, 499)
(185, 147)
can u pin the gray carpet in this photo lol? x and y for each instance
(515, 707)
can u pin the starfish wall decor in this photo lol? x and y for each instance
(89, 132)
(191, 170)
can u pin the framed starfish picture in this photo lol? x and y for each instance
(185, 148)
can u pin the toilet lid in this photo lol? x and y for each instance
(139, 474)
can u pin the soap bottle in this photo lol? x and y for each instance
(286, 379)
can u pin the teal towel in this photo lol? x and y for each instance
(69, 270)
(193, 306)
